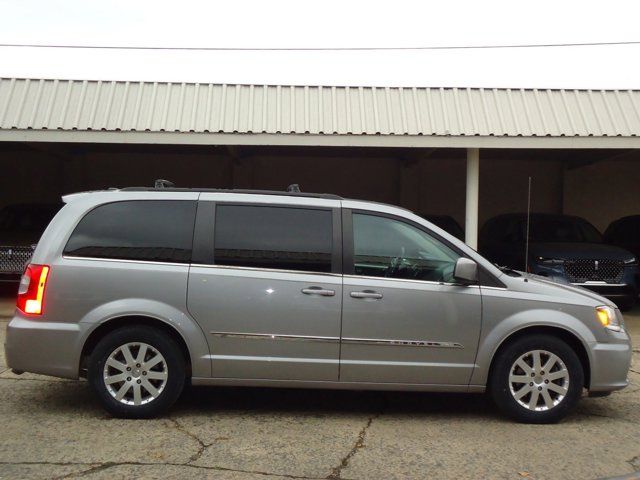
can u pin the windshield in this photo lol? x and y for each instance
(563, 229)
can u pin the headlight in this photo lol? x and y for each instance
(549, 261)
(608, 318)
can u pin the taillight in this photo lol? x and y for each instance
(31, 291)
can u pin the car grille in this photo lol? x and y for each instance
(581, 271)
(14, 259)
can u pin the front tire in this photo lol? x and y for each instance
(137, 372)
(537, 379)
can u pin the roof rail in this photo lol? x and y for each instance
(293, 190)
(160, 183)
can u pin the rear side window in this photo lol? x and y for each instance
(273, 237)
(151, 230)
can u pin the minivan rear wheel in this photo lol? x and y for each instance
(537, 379)
(137, 371)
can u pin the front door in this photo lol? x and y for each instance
(270, 299)
(404, 318)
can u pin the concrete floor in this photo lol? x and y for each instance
(55, 429)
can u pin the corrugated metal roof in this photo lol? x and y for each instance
(223, 108)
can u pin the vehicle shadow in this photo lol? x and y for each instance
(197, 400)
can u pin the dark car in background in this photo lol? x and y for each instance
(447, 223)
(565, 249)
(21, 226)
(625, 233)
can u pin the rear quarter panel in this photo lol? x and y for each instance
(90, 292)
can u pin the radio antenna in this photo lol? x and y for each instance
(526, 242)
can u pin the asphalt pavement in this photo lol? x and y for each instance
(53, 428)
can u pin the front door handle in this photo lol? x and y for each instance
(366, 294)
(318, 291)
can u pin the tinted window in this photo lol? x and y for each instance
(563, 229)
(273, 237)
(155, 230)
(384, 247)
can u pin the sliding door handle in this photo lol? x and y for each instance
(318, 291)
(366, 294)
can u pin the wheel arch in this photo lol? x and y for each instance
(128, 320)
(565, 335)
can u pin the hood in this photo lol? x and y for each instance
(563, 291)
(579, 250)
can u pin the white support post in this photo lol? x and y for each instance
(473, 189)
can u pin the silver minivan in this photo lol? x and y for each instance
(141, 290)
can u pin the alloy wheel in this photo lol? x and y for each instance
(135, 373)
(539, 380)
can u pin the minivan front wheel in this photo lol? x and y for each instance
(537, 379)
(137, 371)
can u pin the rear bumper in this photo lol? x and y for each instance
(610, 364)
(46, 348)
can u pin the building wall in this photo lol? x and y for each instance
(438, 186)
(426, 182)
(603, 191)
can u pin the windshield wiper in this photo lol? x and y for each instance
(509, 271)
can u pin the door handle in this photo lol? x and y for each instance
(318, 291)
(366, 294)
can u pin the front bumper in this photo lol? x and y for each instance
(46, 348)
(610, 363)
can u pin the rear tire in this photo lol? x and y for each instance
(137, 372)
(522, 388)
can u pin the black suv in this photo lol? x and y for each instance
(563, 248)
(21, 226)
(625, 232)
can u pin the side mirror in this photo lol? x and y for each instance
(465, 271)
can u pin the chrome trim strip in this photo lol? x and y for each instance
(407, 280)
(599, 284)
(255, 269)
(353, 341)
(401, 343)
(269, 336)
(122, 260)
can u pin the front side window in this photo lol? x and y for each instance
(282, 238)
(149, 230)
(385, 247)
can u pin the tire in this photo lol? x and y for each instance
(533, 406)
(146, 391)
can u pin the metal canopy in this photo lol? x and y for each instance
(143, 112)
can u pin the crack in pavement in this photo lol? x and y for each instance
(105, 465)
(92, 469)
(635, 463)
(203, 446)
(337, 471)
